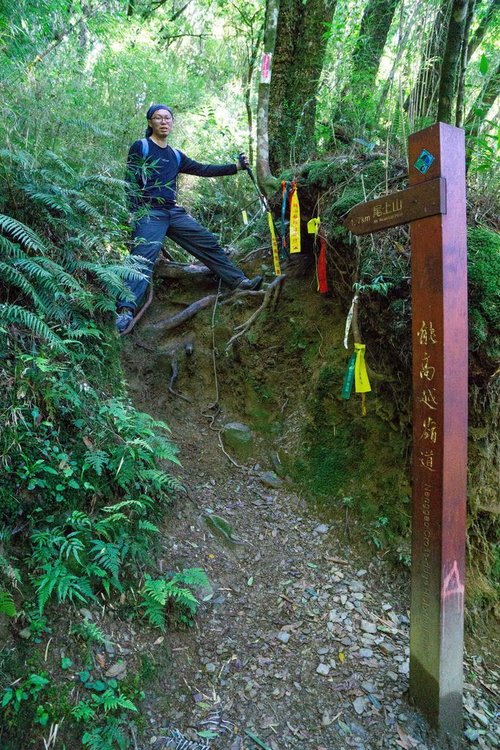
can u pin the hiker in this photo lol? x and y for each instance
(152, 169)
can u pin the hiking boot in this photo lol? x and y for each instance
(250, 284)
(123, 320)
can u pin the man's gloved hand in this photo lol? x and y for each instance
(243, 162)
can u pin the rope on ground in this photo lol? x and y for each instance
(215, 406)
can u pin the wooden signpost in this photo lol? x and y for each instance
(434, 205)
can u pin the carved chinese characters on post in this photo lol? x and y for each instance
(426, 338)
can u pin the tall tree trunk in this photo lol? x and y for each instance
(422, 101)
(375, 25)
(479, 111)
(463, 65)
(253, 51)
(451, 60)
(265, 178)
(297, 68)
(483, 26)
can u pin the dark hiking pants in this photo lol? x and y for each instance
(149, 232)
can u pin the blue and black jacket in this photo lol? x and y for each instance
(152, 179)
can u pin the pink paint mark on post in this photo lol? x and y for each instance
(453, 589)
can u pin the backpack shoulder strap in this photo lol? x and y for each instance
(144, 148)
(178, 156)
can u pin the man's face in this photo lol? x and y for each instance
(161, 123)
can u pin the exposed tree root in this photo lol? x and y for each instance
(167, 324)
(175, 372)
(271, 296)
(172, 270)
(141, 312)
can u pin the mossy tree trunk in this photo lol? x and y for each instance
(421, 104)
(267, 182)
(451, 60)
(479, 111)
(297, 68)
(375, 25)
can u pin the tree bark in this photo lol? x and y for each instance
(463, 65)
(479, 111)
(451, 60)
(297, 68)
(481, 30)
(375, 25)
(267, 182)
(422, 100)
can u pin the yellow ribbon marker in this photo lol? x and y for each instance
(361, 382)
(274, 244)
(313, 225)
(245, 217)
(294, 222)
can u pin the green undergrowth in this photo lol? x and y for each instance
(86, 478)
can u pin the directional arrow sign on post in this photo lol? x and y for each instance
(434, 205)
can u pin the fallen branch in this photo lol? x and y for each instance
(270, 300)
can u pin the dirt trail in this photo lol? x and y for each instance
(300, 642)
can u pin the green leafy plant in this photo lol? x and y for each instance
(7, 606)
(28, 690)
(160, 592)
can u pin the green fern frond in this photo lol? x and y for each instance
(108, 555)
(96, 460)
(20, 157)
(22, 234)
(148, 526)
(56, 203)
(89, 127)
(61, 164)
(112, 701)
(11, 275)
(32, 267)
(191, 577)
(7, 606)
(9, 249)
(88, 209)
(16, 314)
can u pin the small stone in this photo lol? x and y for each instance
(323, 669)
(283, 636)
(369, 687)
(386, 607)
(387, 647)
(210, 668)
(359, 705)
(86, 613)
(365, 653)
(327, 718)
(322, 528)
(361, 573)
(356, 586)
(368, 627)
(25, 633)
(270, 479)
(118, 670)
